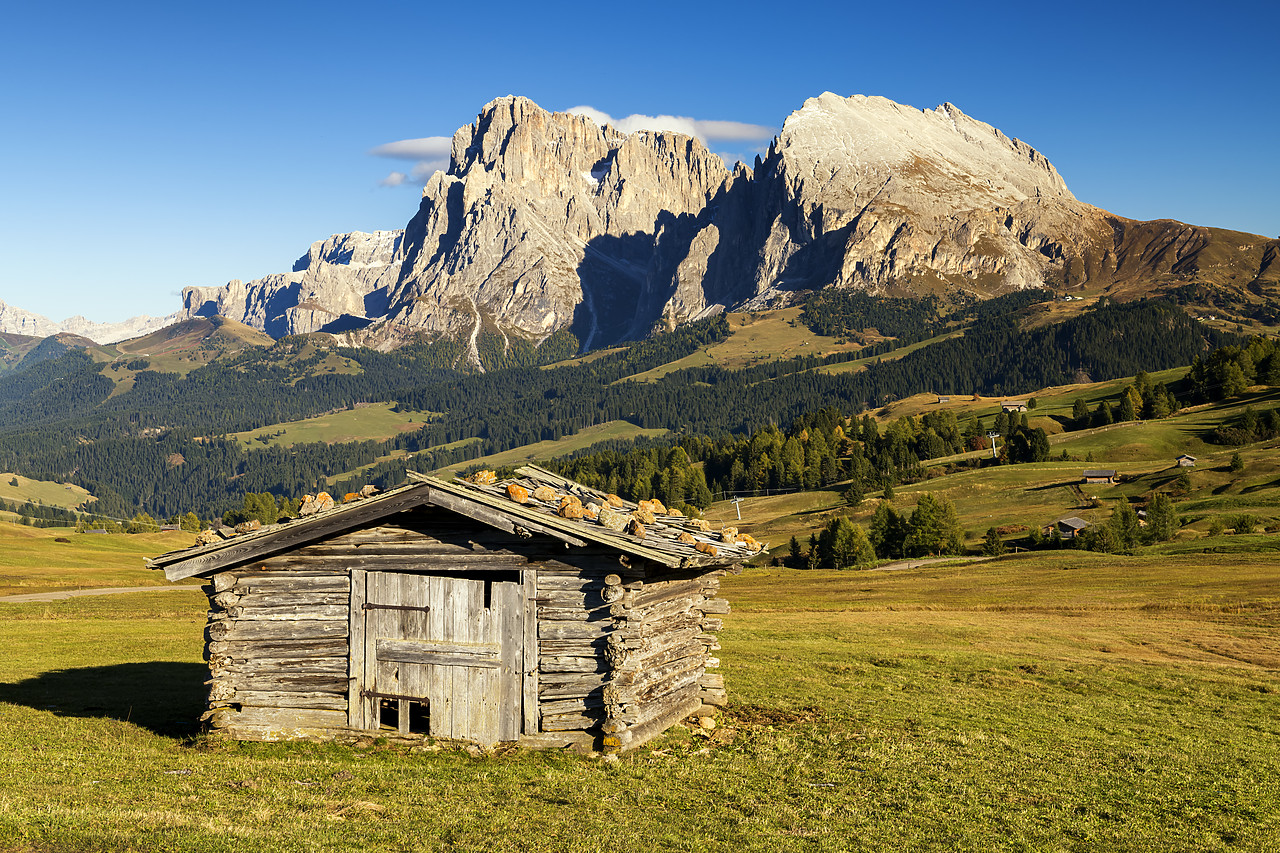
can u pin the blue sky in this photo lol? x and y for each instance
(150, 146)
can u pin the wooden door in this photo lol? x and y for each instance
(437, 655)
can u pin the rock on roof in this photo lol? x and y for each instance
(536, 501)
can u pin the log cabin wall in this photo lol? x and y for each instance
(276, 643)
(659, 653)
(575, 622)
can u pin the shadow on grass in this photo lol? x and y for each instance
(1064, 484)
(165, 697)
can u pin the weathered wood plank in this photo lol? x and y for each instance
(719, 606)
(235, 630)
(579, 647)
(282, 717)
(508, 601)
(566, 684)
(529, 685)
(639, 734)
(658, 612)
(653, 594)
(271, 649)
(563, 614)
(282, 683)
(571, 706)
(278, 665)
(291, 613)
(283, 699)
(584, 721)
(275, 600)
(573, 630)
(573, 664)
(440, 654)
(361, 713)
(282, 582)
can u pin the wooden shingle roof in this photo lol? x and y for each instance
(662, 541)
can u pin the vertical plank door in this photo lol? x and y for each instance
(444, 650)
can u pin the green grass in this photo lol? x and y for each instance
(375, 421)
(65, 495)
(1068, 702)
(755, 339)
(31, 560)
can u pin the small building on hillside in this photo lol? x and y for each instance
(535, 611)
(1099, 475)
(1068, 528)
(944, 400)
(1186, 460)
(1013, 406)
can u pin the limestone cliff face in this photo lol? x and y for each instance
(546, 221)
(337, 286)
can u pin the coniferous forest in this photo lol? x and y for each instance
(160, 446)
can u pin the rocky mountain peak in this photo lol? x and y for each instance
(546, 221)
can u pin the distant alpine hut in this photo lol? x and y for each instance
(534, 610)
(1070, 528)
(1099, 475)
(944, 400)
(1013, 406)
(1186, 460)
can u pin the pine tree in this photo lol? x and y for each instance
(1162, 520)
(1080, 413)
(934, 528)
(992, 544)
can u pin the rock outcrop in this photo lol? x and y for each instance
(339, 285)
(545, 221)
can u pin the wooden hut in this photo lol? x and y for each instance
(533, 610)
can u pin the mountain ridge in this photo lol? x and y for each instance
(546, 221)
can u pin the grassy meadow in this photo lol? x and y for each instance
(1064, 701)
(376, 421)
(32, 559)
(65, 495)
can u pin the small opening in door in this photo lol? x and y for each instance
(416, 716)
(488, 594)
(388, 714)
(419, 719)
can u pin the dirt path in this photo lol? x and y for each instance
(61, 594)
(900, 565)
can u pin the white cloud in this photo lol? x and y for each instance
(430, 153)
(425, 148)
(703, 129)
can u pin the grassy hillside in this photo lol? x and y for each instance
(180, 348)
(1035, 495)
(756, 338)
(65, 495)
(374, 421)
